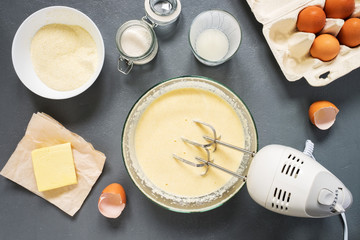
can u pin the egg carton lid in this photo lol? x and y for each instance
(267, 10)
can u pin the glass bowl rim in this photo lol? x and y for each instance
(179, 210)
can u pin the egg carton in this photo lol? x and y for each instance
(291, 47)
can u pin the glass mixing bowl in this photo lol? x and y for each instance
(180, 203)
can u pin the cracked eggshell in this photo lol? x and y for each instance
(323, 114)
(112, 201)
(291, 48)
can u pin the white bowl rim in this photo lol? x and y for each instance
(51, 93)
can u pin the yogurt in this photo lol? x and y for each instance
(212, 45)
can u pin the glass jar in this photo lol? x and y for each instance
(137, 44)
(136, 39)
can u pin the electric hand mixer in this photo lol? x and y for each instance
(285, 180)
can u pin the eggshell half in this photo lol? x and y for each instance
(112, 201)
(323, 114)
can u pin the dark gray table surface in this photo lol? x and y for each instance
(279, 109)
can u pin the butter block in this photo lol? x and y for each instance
(54, 167)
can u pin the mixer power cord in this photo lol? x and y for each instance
(309, 149)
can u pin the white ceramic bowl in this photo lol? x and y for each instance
(21, 48)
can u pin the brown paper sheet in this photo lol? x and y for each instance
(44, 131)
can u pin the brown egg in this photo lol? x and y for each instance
(311, 19)
(339, 8)
(349, 34)
(325, 47)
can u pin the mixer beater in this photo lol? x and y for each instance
(212, 142)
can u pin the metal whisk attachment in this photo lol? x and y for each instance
(213, 141)
(205, 163)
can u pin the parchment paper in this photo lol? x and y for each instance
(44, 131)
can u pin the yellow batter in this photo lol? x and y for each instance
(158, 136)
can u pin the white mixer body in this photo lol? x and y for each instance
(289, 182)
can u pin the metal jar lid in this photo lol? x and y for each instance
(162, 12)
